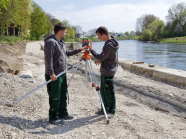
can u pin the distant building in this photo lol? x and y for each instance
(92, 32)
(114, 34)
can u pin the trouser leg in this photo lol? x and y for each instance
(63, 99)
(102, 90)
(109, 94)
(53, 89)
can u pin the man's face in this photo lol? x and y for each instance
(63, 33)
(101, 37)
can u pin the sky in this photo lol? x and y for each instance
(115, 15)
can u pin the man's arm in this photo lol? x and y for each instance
(104, 54)
(73, 52)
(49, 52)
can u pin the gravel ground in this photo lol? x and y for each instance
(137, 116)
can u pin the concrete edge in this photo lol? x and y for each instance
(165, 74)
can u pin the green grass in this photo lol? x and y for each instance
(174, 40)
(10, 39)
(129, 37)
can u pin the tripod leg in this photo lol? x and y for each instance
(86, 80)
(94, 83)
(73, 74)
(89, 73)
(99, 93)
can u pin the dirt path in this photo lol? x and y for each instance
(136, 116)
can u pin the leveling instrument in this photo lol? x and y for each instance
(86, 57)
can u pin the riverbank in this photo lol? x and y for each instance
(176, 40)
(137, 116)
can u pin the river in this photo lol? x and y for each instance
(165, 55)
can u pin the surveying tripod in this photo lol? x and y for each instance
(86, 57)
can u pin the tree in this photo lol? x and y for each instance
(24, 17)
(177, 14)
(143, 22)
(122, 34)
(52, 19)
(146, 35)
(157, 29)
(65, 22)
(9, 17)
(17, 16)
(39, 22)
(127, 33)
(70, 32)
(132, 33)
(4, 4)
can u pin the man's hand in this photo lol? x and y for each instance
(84, 48)
(90, 48)
(53, 77)
(97, 62)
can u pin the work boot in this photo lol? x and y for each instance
(99, 112)
(110, 115)
(67, 117)
(56, 121)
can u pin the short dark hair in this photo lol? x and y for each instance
(102, 30)
(58, 27)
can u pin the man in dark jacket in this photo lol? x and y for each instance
(109, 65)
(56, 62)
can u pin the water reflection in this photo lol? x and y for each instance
(166, 55)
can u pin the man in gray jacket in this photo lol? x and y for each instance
(109, 65)
(56, 62)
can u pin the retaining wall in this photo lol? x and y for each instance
(72, 45)
(165, 74)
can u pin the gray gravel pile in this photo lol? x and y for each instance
(25, 114)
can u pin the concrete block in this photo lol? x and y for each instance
(125, 63)
(175, 79)
(142, 68)
(72, 45)
(26, 75)
(159, 75)
(76, 46)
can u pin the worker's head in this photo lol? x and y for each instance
(60, 30)
(102, 33)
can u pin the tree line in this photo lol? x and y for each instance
(151, 28)
(27, 19)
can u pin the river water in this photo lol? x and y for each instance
(165, 55)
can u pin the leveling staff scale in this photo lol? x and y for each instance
(86, 57)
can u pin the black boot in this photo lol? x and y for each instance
(67, 117)
(56, 121)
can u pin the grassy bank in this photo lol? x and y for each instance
(10, 39)
(129, 37)
(174, 40)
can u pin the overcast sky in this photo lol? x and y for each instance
(116, 15)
